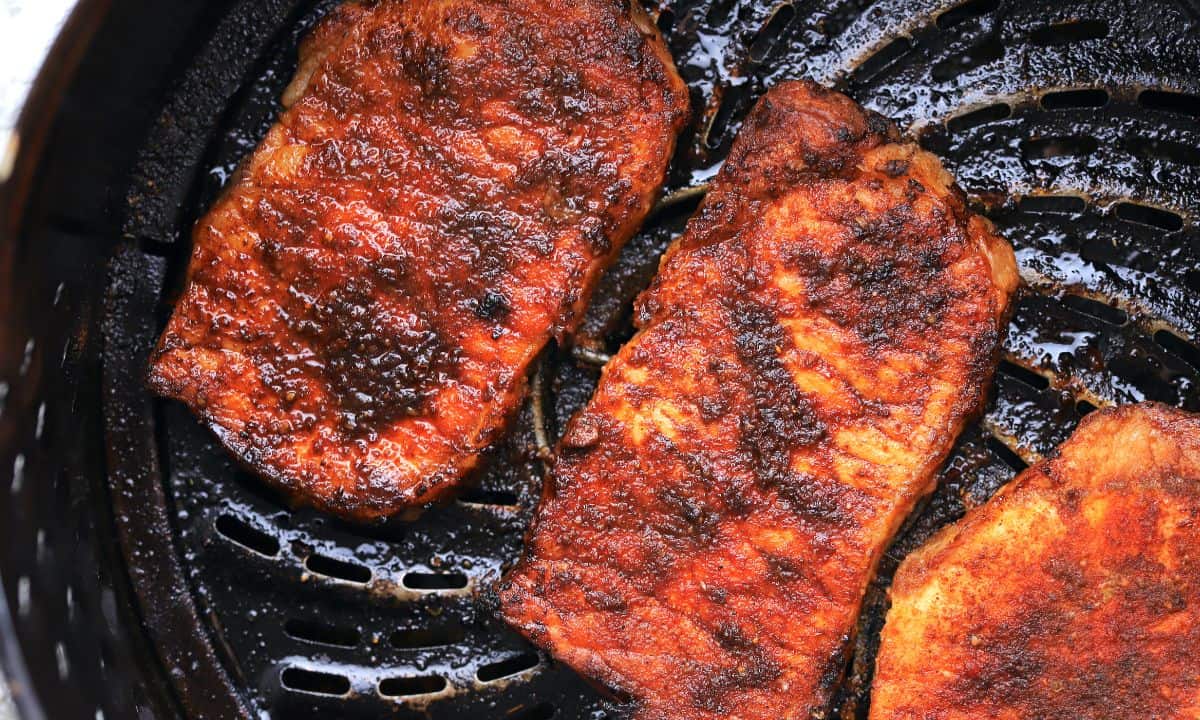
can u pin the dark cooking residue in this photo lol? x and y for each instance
(1072, 124)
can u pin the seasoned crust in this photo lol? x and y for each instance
(436, 202)
(807, 354)
(1073, 593)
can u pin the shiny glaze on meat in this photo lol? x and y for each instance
(1073, 593)
(433, 206)
(807, 354)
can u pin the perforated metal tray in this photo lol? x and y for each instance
(1074, 125)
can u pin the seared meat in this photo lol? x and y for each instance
(810, 349)
(1074, 593)
(436, 203)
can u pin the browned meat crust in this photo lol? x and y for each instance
(451, 176)
(807, 354)
(1074, 593)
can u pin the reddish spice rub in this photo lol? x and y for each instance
(1073, 593)
(807, 354)
(433, 206)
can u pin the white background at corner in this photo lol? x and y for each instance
(6, 708)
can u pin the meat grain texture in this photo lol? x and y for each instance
(807, 354)
(435, 204)
(1073, 593)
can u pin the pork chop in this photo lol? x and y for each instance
(807, 354)
(1073, 593)
(364, 300)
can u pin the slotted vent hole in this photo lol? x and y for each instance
(731, 103)
(156, 247)
(881, 60)
(1169, 101)
(541, 711)
(1055, 204)
(1023, 375)
(720, 11)
(981, 116)
(666, 21)
(1101, 251)
(986, 51)
(243, 533)
(311, 681)
(1069, 32)
(1146, 215)
(406, 686)
(507, 668)
(1097, 310)
(768, 35)
(1145, 372)
(969, 10)
(1168, 150)
(1178, 347)
(1006, 455)
(1066, 99)
(477, 496)
(426, 637)
(321, 633)
(1058, 146)
(434, 581)
(1192, 278)
(340, 569)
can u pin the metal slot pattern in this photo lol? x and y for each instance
(1073, 125)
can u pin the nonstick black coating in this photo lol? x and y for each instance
(1074, 126)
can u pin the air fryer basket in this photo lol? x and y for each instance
(147, 575)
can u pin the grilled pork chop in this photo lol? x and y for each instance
(1074, 593)
(436, 203)
(811, 347)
